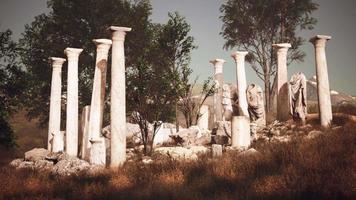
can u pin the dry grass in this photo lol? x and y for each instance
(323, 168)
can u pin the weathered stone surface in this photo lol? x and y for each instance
(181, 152)
(36, 154)
(15, 163)
(203, 121)
(26, 165)
(313, 134)
(240, 129)
(191, 137)
(298, 98)
(216, 150)
(219, 81)
(70, 166)
(43, 165)
(250, 152)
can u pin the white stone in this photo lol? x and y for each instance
(71, 146)
(118, 97)
(239, 57)
(54, 124)
(240, 132)
(58, 141)
(219, 79)
(325, 110)
(203, 121)
(216, 150)
(97, 152)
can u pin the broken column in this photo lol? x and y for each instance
(72, 101)
(219, 81)
(98, 94)
(118, 97)
(84, 152)
(54, 124)
(325, 111)
(97, 152)
(203, 121)
(240, 132)
(239, 57)
(282, 81)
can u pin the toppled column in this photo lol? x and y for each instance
(219, 81)
(298, 97)
(54, 124)
(98, 94)
(325, 111)
(239, 57)
(72, 101)
(58, 141)
(84, 153)
(282, 81)
(118, 97)
(240, 132)
(203, 121)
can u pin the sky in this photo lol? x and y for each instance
(335, 18)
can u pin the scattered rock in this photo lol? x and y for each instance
(147, 160)
(70, 166)
(181, 152)
(26, 165)
(313, 134)
(36, 154)
(16, 163)
(250, 152)
(43, 165)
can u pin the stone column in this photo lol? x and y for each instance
(98, 94)
(54, 124)
(325, 112)
(203, 121)
(58, 141)
(240, 132)
(72, 101)
(282, 82)
(85, 133)
(239, 57)
(97, 152)
(118, 97)
(219, 81)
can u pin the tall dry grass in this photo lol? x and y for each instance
(322, 168)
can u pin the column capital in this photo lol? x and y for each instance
(102, 44)
(320, 40)
(72, 53)
(118, 33)
(57, 62)
(238, 54)
(217, 61)
(282, 45)
(218, 65)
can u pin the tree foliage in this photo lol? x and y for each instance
(254, 25)
(11, 86)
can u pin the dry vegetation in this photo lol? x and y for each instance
(322, 168)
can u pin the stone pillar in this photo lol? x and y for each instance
(239, 57)
(72, 101)
(282, 82)
(97, 152)
(240, 132)
(98, 94)
(325, 112)
(84, 153)
(58, 141)
(216, 150)
(54, 124)
(219, 81)
(203, 121)
(118, 97)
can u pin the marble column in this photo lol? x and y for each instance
(54, 124)
(240, 132)
(203, 121)
(84, 152)
(325, 111)
(219, 82)
(99, 85)
(118, 97)
(58, 141)
(72, 101)
(239, 57)
(282, 81)
(97, 152)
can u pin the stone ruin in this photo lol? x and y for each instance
(238, 113)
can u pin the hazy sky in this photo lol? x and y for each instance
(335, 18)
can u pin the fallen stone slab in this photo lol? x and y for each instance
(36, 154)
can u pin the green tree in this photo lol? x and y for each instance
(11, 86)
(254, 25)
(160, 78)
(75, 23)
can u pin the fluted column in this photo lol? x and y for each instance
(54, 124)
(72, 101)
(325, 111)
(219, 82)
(118, 97)
(239, 57)
(282, 81)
